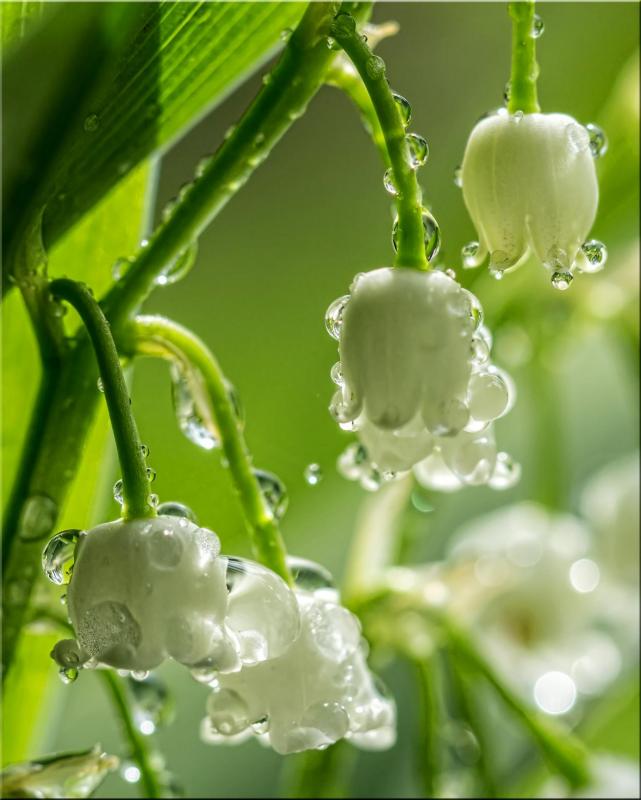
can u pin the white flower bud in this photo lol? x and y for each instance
(415, 378)
(530, 186)
(319, 691)
(145, 589)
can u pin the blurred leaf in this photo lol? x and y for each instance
(614, 727)
(134, 77)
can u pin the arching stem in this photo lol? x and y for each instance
(135, 482)
(410, 240)
(161, 337)
(525, 70)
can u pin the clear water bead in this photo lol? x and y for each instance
(598, 140)
(336, 374)
(91, 123)
(117, 491)
(58, 556)
(538, 27)
(68, 674)
(432, 236)
(596, 254)
(419, 150)
(404, 108)
(189, 414)
(388, 182)
(228, 712)
(151, 474)
(313, 474)
(180, 266)
(561, 280)
(507, 472)
(334, 316)
(310, 576)
(458, 177)
(120, 268)
(375, 67)
(172, 509)
(273, 491)
(469, 252)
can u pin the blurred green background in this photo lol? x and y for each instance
(314, 214)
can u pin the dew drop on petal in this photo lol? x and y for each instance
(273, 491)
(310, 576)
(596, 254)
(561, 280)
(507, 472)
(68, 674)
(418, 148)
(598, 140)
(334, 316)
(172, 509)
(313, 474)
(404, 108)
(58, 556)
(228, 712)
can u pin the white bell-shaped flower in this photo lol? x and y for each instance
(148, 589)
(317, 692)
(415, 378)
(529, 183)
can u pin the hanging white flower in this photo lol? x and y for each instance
(529, 183)
(319, 691)
(415, 378)
(145, 590)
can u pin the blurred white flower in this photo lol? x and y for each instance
(148, 589)
(317, 692)
(533, 597)
(415, 378)
(529, 183)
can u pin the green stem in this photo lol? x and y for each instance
(563, 752)
(135, 481)
(428, 726)
(160, 336)
(283, 98)
(525, 70)
(139, 752)
(409, 201)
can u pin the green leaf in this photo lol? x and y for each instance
(148, 72)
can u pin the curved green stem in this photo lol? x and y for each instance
(429, 756)
(525, 70)
(284, 97)
(135, 482)
(162, 337)
(139, 751)
(409, 200)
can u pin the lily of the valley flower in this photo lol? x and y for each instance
(319, 691)
(529, 183)
(415, 378)
(145, 590)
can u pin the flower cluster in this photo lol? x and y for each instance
(416, 381)
(288, 663)
(529, 183)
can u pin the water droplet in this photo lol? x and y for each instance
(598, 140)
(91, 123)
(171, 509)
(375, 67)
(334, 316)
(261, 726)
(38, 516)
(68, 674)
(506, 472)
(476, 309)
(151, 474)
(168, 209)
(336, 374)
(154, 500)
(228, 712)
(273, 491)
(343, 23)
(537, 27)
(469, 252)
(194, 418)
(596, 254)
(58, 555)
(117, 491)
(100, 385)
(458, 177)
(313, 474)
(404, 108)
(144, 450)
(432, 236)
(180, 266)
(419, 150)
(507, 91)
(120, 268)
(332, 44)
(310, 576)
(388, 182)
(285, 34)
(201, 166)
(562, 280)
(479, 351)
(165, 548)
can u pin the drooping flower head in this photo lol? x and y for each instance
(529, 183)
(415, 378)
